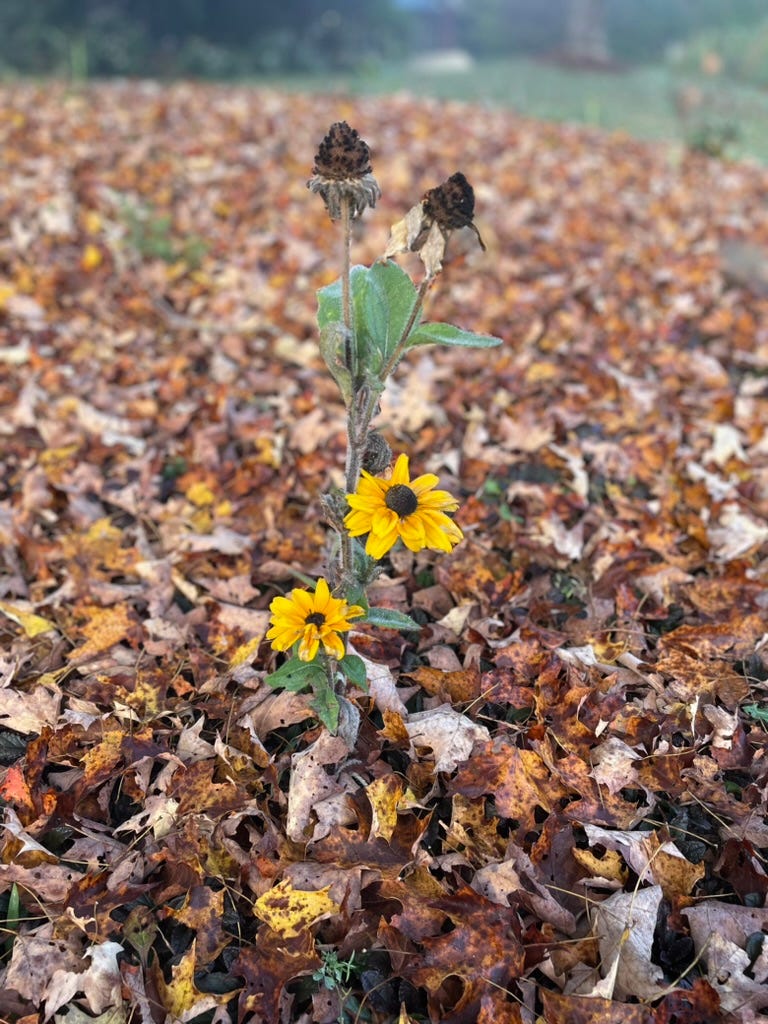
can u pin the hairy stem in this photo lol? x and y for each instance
(350, 342)
(354, 443)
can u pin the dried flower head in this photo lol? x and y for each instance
(377, 454)
(342, 172)
(401, 508)
(452, 204)
(427, 226)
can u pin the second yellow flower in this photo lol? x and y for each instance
(401, 508)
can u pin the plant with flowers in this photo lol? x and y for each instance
(368, 320)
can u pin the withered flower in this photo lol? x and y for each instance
(428, 225)
(342, 171)
(452, 205)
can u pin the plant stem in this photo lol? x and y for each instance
(354, 454)
(364, 402)
(350, 342)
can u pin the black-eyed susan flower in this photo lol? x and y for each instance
(428, 225)
(342, 171)
(313, 619)
(401, 508)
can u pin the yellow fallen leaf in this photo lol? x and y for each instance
(105, 628)
(91, 258)
(290, 911)
(610, 865)
(92, 222)
(33, 625)
(384, 795)
(245, 652)
(540, 371)
(6, 291)
(200, 494)
(180, 996)
(101, 759)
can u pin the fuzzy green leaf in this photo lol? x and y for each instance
(388, 300)
(353, 668)
(332, 351)
(448, 334)
(326, 705)
(383, 297)
(297, 675)
(390, 619)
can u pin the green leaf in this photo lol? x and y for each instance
(326, 704)
(297, 675)
(390, 619)
(332, 351)
(353, 668)
(448, 334)
(383, 297)
(388, 298)
(12, 917)
(356, 595)
(760, 712)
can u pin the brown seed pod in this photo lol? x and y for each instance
(342, 154)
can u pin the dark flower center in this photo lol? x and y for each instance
(402, 500)
(315, 619)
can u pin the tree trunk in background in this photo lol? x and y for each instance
(586, 39)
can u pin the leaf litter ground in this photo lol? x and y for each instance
(556, 809)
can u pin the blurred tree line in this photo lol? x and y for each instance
(209, 38)
(231, 38)
(636, 30)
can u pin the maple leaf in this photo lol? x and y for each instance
(482, 950)
(290, 911)
(180, 996)
(266, 968)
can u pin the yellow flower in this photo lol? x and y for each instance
(404, 508)
(312, 618)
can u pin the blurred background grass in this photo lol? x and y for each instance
(724, 117)
(691, 71)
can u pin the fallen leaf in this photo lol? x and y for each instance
(449, 734)
(624, 925)
(290, 911)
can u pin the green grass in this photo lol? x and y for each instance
(639, 101)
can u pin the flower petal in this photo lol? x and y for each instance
(412, 532)
(400, 474)
(384, 520)
(333, 644)
(378, 544)
(423, 483)
(322, 595)
(309, 644)
(440, 500)
(281, 639)
(304, 601)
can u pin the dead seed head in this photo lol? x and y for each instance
(428, 225)
(452, 204)
(342, 154)
(342, 172)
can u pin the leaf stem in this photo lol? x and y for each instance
(397, 354)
